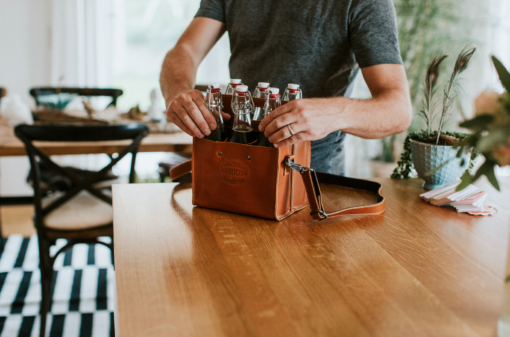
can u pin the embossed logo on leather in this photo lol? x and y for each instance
(234, 171)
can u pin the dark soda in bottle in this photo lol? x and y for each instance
(242, 106)
(214, 102)
(272, 102)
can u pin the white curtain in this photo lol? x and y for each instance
(82, 42)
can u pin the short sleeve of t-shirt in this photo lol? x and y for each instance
(373, 32)
(213, 9)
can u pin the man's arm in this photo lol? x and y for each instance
(388, 111)
(186, 106)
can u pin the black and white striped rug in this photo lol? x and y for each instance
(83, 298)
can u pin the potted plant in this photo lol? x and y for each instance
(432, 154)
(491, 137)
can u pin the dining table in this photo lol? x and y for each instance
(177, 142)
(413, 270)
(11, 146)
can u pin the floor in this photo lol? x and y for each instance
(17, 220)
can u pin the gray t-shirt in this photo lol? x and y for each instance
(319, 44)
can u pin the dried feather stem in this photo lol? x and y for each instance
(429, 89)
(460, 65)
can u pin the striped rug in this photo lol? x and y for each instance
(83, 298)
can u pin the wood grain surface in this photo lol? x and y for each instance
(416, 270)
(178, 142)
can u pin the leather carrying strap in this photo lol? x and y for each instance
(182, 173)
(311, 179)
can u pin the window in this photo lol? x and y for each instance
(146, 31)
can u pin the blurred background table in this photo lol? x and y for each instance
(416, 270)
(177, 142)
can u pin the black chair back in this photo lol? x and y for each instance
(66, 133)
(3, 92)
(41, 91)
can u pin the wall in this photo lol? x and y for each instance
(24, 62)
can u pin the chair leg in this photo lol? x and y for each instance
(46, 279)
(113, 254)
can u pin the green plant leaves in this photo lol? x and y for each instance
(487, 169)
(497, 135)
(503, 73)
(465, 180)
(478, 123)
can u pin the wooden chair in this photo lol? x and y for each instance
(113, 93)
(83, 213)
(3, 92)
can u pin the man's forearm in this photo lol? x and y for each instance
(178, 73)
(386, 114)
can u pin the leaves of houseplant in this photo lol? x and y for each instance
(504, 75)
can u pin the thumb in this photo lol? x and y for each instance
(226, 116)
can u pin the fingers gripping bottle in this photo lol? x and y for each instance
(272, 102)
(292, 92)
(260, 92)
(242, 106)
(231, 87)
(214, 102)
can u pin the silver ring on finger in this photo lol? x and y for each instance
(290, 130)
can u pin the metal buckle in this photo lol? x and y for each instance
(296, 167)
(321, 212)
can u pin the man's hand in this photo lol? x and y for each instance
(309, 119)
(190, 113)
(388, 111)
(185, 106)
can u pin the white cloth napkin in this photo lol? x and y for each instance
(14, 111)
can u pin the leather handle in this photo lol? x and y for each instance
(181, 173)
(311, 180)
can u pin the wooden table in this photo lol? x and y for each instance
(416, 270)
(178, 142)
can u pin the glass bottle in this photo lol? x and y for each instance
(242, 106)
(214, 102)
(231, 87)
(292, 92)
(272, 102)
(260, 92)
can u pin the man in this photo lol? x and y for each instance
(319, 44)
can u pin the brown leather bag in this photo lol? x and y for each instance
(261, 181)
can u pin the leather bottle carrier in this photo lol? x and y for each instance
(262, 181)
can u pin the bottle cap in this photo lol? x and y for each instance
(263, 84)
(235, 81)
(242, 88)
(273, 91)
(293, 86)
(213, 86)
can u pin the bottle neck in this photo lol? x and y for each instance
(272, 102)
(292, 94)
(242, 107)
(214, 102)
